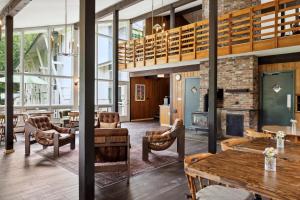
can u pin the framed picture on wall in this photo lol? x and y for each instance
(139, 92)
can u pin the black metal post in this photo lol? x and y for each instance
(172, 17)
(87, 100)
(213, 60)
(9, 104)
(115, 60)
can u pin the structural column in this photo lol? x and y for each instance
(9, 110)
(115, 38)
(213, 60)
(87, 100)
(172, 17)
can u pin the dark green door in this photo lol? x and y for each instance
(277, 98)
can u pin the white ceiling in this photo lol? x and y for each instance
(51, 12)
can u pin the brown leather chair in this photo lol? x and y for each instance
(108, 120)
(112, 146)
(41, 130)
(162, 140)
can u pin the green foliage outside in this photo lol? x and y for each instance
(28, 40)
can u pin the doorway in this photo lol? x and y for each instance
(277, 98)
(146, 94)
(192, 99)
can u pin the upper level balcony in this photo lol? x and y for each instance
(271, 25)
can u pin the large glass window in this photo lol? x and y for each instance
(16, 52)
(104, 93)
(36, 50)
(104, 88)
(16, 90)
(36, 90)
(61, 91)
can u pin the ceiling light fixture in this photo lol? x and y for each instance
(68, 50)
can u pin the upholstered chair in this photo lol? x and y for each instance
(2, 127)
(112, 150)
(41, 130)
(162, 140)
(64, 117)
(108, 120)
(213, 190)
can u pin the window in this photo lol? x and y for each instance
(36, 90)
(16, 90)
(104, 93)
(61, 91)
(36, 49)
(43, 66)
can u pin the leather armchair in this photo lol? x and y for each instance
(109, 118)
(162, 140)
(112, 146)
(41, 130)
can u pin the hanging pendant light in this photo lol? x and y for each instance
(157, 27)
(68, 48)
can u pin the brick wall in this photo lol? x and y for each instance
(235, 73)
(225, 6)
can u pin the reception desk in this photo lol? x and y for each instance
(164, 115)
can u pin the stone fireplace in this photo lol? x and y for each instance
(238, 77)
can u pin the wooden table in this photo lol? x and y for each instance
(290, 152)
(273, 129)
(246, 170)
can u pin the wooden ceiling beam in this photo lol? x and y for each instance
(13, 7)
(161, 10)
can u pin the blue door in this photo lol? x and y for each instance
(192, 99)
(277, 98)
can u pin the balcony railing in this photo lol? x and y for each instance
(270, 25)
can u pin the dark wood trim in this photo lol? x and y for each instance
(172, 17)
(281, 58)
(87, 100)
(154, 72)
(160, 10)
(118, 6)
(9, 104)
(13, 7)
(212, 108)
(115, 64)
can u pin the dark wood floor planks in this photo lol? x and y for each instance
(36, 178)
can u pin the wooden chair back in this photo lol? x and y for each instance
(229, 143)
(252, 134)
(112, 146)
(195, 183)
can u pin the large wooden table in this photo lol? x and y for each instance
(290, 152)
(273, 129)
(246, 170)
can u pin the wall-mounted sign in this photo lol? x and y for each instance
(140, 92)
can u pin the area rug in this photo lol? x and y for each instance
(70, 159)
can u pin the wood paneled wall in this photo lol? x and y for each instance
(156, 89)
(178, 93)
(280, 67)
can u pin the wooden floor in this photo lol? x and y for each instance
(36, 178)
